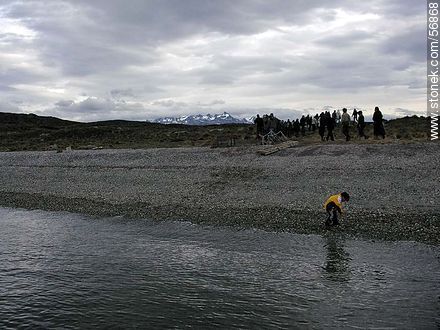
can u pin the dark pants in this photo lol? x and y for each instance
(361, 132)
(330, 134)
(346, 131)
(332, 214)
(379, 130)
(321, 132)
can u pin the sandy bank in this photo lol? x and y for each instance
(394, 187)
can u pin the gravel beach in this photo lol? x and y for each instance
(394, 188)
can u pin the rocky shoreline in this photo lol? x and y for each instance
(394, 187)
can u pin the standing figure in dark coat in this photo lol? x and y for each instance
(345, 124)
(309, 122)
(322, 124)
(361, 125)
(303, 125)
(330, 126)
(260, 125)
(315, 122)
(289, 128)
(378, 123)
(296, 127)
(355, 115)
(266, 124)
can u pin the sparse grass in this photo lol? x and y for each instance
(29, 132)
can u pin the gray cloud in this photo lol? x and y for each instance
(64, 103)
(345, 39)
(95, 109)
(169, 103)
(5, 88)
(173, 19)
(212, 103)
(402, 8)
(409, 43)
(400, 112)
(13, 76)
(118, 93)
(9, 107)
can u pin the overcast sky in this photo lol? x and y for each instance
(93, 60)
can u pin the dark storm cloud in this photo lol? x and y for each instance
(402, 8)
(95, 109)
(145, 23)
(77, 39)
(64, 103)
(408, 43)
(336, 70)
(14, 76)
(93, 105)
(173, 19)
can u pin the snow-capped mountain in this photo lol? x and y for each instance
(208, 119)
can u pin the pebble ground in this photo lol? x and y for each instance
(394, 187)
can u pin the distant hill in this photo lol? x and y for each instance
(208, 119)
(32, 120)
(31, 132)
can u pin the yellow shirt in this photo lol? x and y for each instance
(337, 199)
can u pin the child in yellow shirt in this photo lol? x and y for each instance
(333, 206)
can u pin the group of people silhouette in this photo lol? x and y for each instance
(325, 123)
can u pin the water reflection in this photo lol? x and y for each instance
(61, 270)
(337, 266)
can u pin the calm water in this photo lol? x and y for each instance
(61, 270)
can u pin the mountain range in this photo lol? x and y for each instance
(208, 119)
